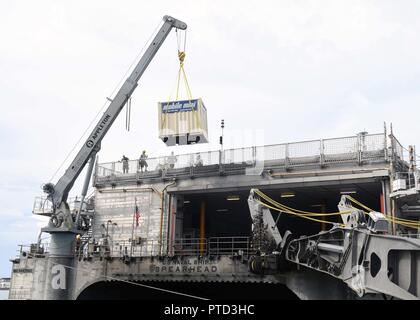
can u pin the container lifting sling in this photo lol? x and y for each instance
(58, 193)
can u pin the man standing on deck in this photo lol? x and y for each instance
(125, 164)
(142, 161)
(198, 161)
(172, 159)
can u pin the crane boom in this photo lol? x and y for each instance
(58, 193)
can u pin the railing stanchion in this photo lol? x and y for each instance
(321, 153)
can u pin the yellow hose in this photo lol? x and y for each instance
(298, 215)
(307, 215)
(282, 206)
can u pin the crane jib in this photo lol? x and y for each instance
(59, 192)
(91, 142)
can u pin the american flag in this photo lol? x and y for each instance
(137, 214)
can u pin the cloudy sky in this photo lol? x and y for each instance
(293, 70)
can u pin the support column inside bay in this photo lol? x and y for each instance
(202, 227)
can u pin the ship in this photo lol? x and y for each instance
(331, 218)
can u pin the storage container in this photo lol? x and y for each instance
(183, 122)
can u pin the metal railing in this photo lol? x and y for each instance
(397, 148)
(42, 206)
(32, 250)
(121, 249)
(231, 246)
(190, 247)
(215, 246)
(356, 149)
(411, 179)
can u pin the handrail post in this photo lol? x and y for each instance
(393, 147)
(286, 158)
(163, 168)
(385, 145)
(221, 161)
(202, 226)
(191, 165)
(321, 153)
(359, 149)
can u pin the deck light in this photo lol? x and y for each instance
(233, 198)
(350, 191)
(290, 194)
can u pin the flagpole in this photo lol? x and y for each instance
(132, 227)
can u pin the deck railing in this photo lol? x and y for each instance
(411, 179)
(356, 149)
(42, 205)
(214, 246)
(32, 250)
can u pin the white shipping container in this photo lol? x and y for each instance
(182, 122)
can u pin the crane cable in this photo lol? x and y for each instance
(181, 46)
(181, 71)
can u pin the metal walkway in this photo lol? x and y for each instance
(347, 151)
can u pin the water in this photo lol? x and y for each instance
(4, 294)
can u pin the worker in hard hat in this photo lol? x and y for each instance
(198, 161)
(143, 162)
(78, 241)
